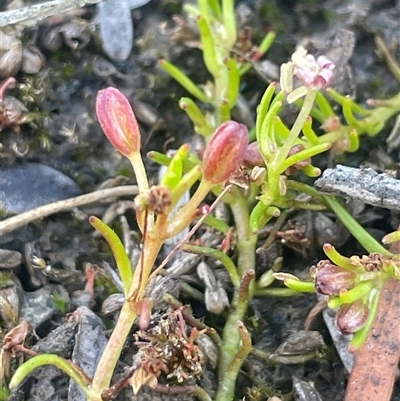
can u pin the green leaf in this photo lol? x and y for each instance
(201, 125)
(35, 362)
(229, 18)
(303, 155)
(263, 107)
(324, 105)
(266, 136)
(362, 236)
(233, 82)
(173, 174)
(118, 250)
(211, 58)
(219, 255)
(184, 80)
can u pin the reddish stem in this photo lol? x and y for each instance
(8, 82)
(375, 363)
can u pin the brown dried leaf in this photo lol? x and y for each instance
(140, 378)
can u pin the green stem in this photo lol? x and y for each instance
(226, 391)
(231, 359)
(295, 131)
(112, 352)
(246, 239)
(140, 172)
(186, 215)
(246, 245)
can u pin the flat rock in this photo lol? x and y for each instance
(31, 185)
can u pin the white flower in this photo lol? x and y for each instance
(313, 74)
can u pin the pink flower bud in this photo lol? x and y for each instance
(118, 121)
(331, 279)
(225, 151)
(253, 157)
(352, 317)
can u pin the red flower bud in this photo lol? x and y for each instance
(352, 317)
(330, 279)
(225, 151)
(118, 121)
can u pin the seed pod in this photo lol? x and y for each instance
(225, 151)
(352, 317)
(331, 279)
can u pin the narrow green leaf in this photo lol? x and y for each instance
(202, 126)
(229, 18)
(337, 258)
(184, 80)
(354, 142)
(303, 155)
(357, 292)
(215, 8)
(349, 116)
(159, 158)
(219, 255)
(118, 250)
(217, 224)
(309, 133)
(186, 182)
(339, 98)
(324, 105)
(263, 107)
(266, 135)
(173, 174)
(358, 232)
(233, 82)
(73, 371)
(281, 131)
(211, 58)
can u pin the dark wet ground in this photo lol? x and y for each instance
(65, 136)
